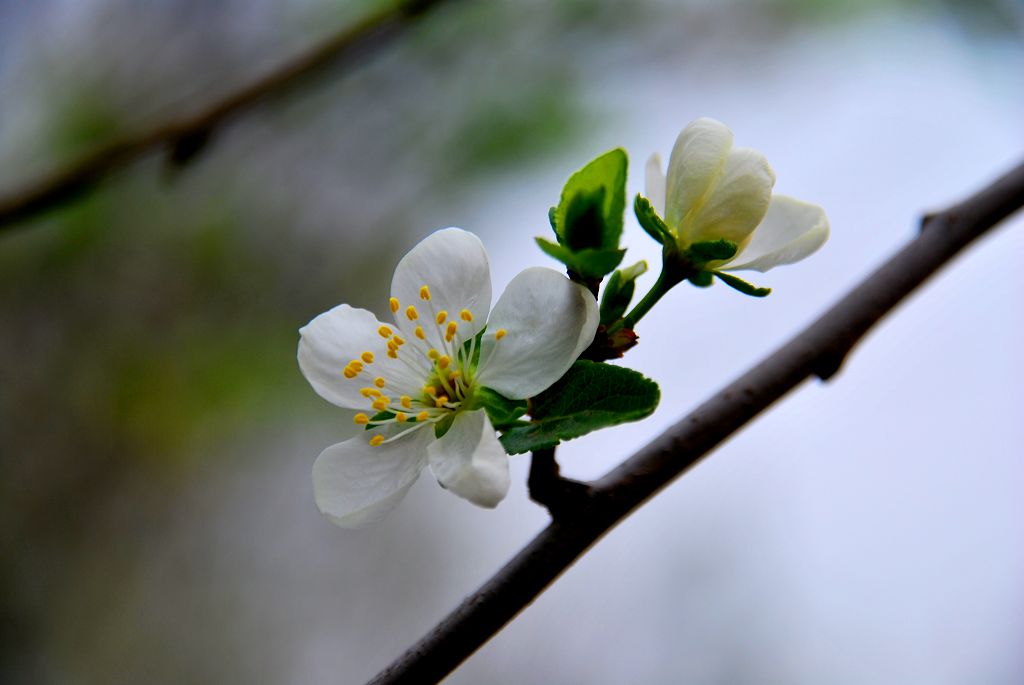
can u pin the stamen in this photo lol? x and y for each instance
(369, 392)
(356, 365)
(441, 316)
(423, 416)
(444, 361)
(349, 372)
(384, 332)
(450, 333)
(361, 419)
(430, 390)
(376, 440)
(381, 403)
(500, 333)
(394, 304)
(411, 313)
(379, 382)
(406, 401)
(367, 357)
(466, 315)
(398, 341)
(401, 418)
(433, 354)
(441, 401)
(392, 354)
(419, 333)
(425, 293)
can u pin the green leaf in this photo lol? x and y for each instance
(618, 292)
(500, 410)
(742, 286)
(650, 221)
(589, 396)
(590, 211)
(589, 263)
(711, 250)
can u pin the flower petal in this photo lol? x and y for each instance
(453, 264)
(696, 161)
(356, 484)
(736, 203)
(548, 321)
(330, 341)
(469, 460)
(654, 184)
(791, 230)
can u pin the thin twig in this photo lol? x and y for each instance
(184, 137)
(818, 350)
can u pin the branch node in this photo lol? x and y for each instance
(563, 497)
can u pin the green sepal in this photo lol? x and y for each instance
(711, 250)
(588, 263)
(589, 396)
(702, 279)
(444, 425)
(650, 221)
(742, 286)
(618, 292)
(502, 411)
(379, 416)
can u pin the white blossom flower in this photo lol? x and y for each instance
(427, 369)
(714, 191)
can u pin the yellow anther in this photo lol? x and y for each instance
(419, 333)
(356, 365)
(392, 354)
(500, 333)
(411, 313)
(384, 332)
(423, 416)
(454, 374)
(430, 390)
(394, 304)
(406, 401)
(401, 418)
(441, 401)
(450, 333)
(399, 341)
(361, 419)
(466, 315)
(392, 345)
(433, 354)
(425, 293)
(441, 316)
(369, 392)
(367, 357)
(381, 403)
(379, 382)
(376, 440)
(350, 372)
(444, 361)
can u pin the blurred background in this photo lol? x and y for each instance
(156, 437)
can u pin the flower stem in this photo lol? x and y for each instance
(673, 272)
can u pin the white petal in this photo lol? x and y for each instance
(453, 264)
(356, 484)
(548, 321)
(330, 341)
(469, 460)
(696, 161)
(737, 201)
(654, 184)
(791, 230)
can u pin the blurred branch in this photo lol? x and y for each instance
(186, 136)
(818, 350)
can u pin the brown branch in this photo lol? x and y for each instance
(185, 136)
(818, 350)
